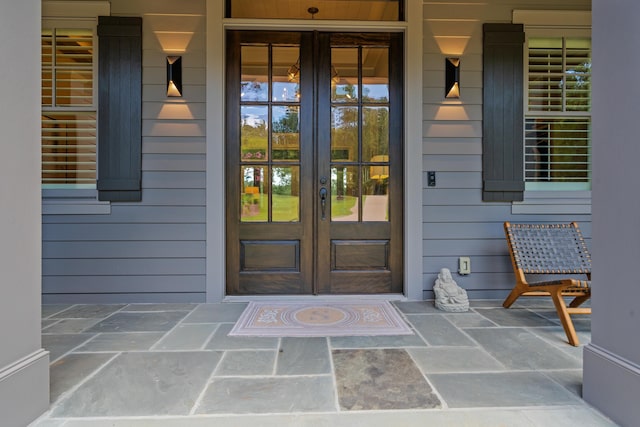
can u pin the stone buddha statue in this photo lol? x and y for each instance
(449, 296)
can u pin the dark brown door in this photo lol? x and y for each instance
(314, 163)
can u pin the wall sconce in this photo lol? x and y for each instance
(452, 78)
(174, 75)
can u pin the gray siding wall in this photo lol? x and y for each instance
(455, 220)
(153, 250)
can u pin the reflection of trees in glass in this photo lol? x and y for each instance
(578, 81)
(375, 132)
(282, 178)
(557, 150)
(253, 91)
(375, 93)
(254, 139)
(348, 91)
(253, 134)
(288, 123)
(344, 133)
(285, 134)
(252, 177)
(570, 151)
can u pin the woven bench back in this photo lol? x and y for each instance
(548, 248)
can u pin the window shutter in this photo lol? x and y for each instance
(503, 115)
(119, 108)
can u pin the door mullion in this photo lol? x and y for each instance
(323, 149)
(308, 155)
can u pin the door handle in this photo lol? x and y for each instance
(323, 201)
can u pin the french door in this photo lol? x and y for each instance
(314, 163)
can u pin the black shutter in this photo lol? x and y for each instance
(503, 116)
(119, 108)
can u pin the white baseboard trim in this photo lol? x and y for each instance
(611, 384)
(24, 389)
(22, 363)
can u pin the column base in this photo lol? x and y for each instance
(24, 389)
(611, 384)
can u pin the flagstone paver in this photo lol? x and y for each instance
(139, 365)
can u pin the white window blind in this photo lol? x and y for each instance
(68, 108)
(558, 117)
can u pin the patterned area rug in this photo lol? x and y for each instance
(328, 319)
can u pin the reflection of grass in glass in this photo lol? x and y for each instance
(285, 209)
(340, 208)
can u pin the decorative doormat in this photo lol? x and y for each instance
(326, 319)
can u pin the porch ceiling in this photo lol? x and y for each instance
(361, 10)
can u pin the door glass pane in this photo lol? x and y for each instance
(253, 200)
(344, 74)
(285, 134)
(375, 132)
(285, 188)
(344, 193)
(255, 76)
(286, 74)
(375, 191)
(344, 134)
(375, 74)
(254, 139)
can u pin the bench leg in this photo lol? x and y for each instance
(563, 314)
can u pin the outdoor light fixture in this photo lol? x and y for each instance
(452, 78)
(174, 75)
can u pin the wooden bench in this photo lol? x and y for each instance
(557, 253)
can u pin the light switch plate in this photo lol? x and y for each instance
(464, 265)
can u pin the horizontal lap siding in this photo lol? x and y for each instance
(455, 220)
(154, 250)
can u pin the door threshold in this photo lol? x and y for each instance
(316, 298)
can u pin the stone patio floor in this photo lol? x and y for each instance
(163, 365)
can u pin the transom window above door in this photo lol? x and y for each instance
(349, 10)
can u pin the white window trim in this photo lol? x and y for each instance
(569, 23)
(553, 203)
(74, 201)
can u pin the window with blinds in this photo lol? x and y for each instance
(558, 115)
(68, 108)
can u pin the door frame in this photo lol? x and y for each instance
(280, 257)
(216, 25)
